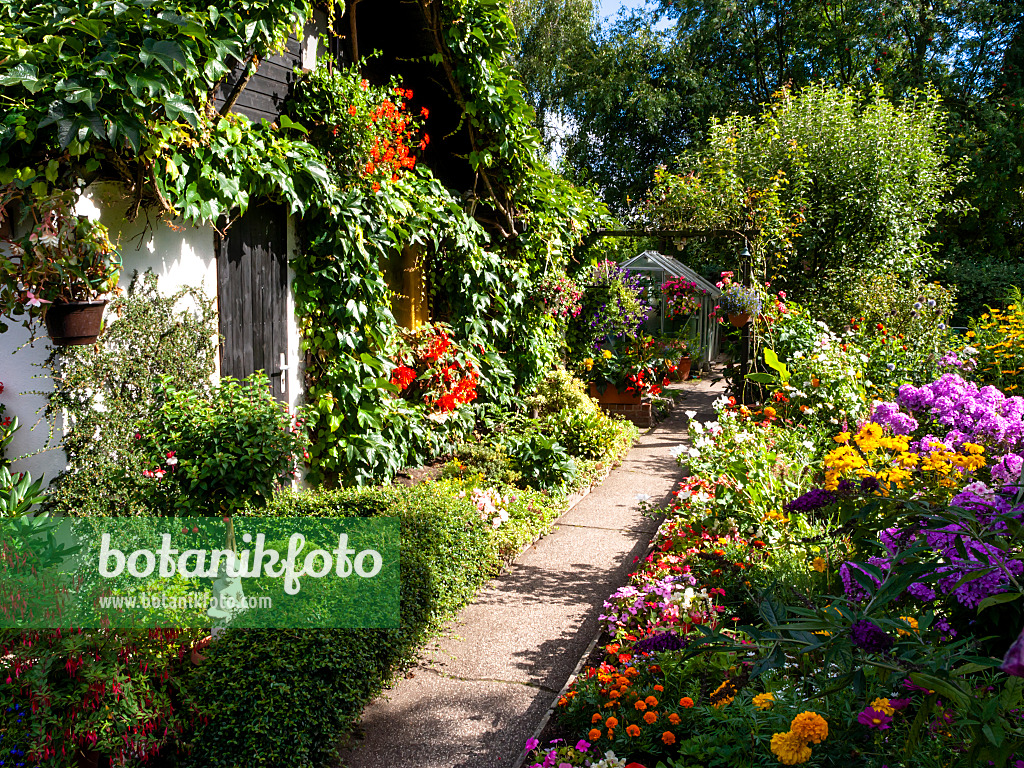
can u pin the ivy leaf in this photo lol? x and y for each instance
(176, 106)
(143, 85)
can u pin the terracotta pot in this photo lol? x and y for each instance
(683, 368)
(740, 320)
(74, 323)
(612, 396)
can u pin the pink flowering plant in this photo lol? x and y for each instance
(61, 257)
(682, 296)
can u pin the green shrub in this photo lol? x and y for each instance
(543, 461)
(491, 464)
(589, 434)
(559, 391)
(283, 698)
(109, 388)
(214, 452)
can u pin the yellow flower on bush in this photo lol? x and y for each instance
(819, 564)
(790, 748)
(606, 354)
(588, 363)
(764, 700)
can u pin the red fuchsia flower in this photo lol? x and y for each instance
(874, 718)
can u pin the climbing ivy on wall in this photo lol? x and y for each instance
(125, 91)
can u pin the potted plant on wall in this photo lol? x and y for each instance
(58, 271)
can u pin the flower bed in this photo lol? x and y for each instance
(820, 594)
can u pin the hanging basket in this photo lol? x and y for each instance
(74, 323)
(740, 320)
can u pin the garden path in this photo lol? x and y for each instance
(483, 687)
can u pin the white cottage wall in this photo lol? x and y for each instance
(183, 255)
(179, 257)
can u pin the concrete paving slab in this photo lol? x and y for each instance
(483, 687)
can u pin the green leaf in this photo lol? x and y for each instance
(999, 599)
(166, 53)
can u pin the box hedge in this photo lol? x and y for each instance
(285, 697)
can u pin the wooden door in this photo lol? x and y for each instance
(252, 290)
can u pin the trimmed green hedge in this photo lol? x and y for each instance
(285, 697)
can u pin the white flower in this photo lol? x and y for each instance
(970, 351)
(742, 437)
(691, 415)
(677, 451)
(808, 445)
(693, 453)
(49, 237)
(696, 427)
(642, 498)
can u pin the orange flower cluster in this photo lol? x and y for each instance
(391, 153)
(436, 371)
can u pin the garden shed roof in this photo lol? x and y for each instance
(652, 261)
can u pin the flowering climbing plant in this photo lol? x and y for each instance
(433, 369)
(372, 133)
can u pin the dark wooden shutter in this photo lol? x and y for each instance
(252, 289)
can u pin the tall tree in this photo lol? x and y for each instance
(554, 36)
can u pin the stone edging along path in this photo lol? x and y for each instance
(481, 689)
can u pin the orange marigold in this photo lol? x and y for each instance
(633, 730)
(686, 702)
(650, 718)
(611, 722)
(810, 726)
(651, 701)
(596, 718)
(668, 737)
(641, 705)
(673, 718)
(594, 734)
